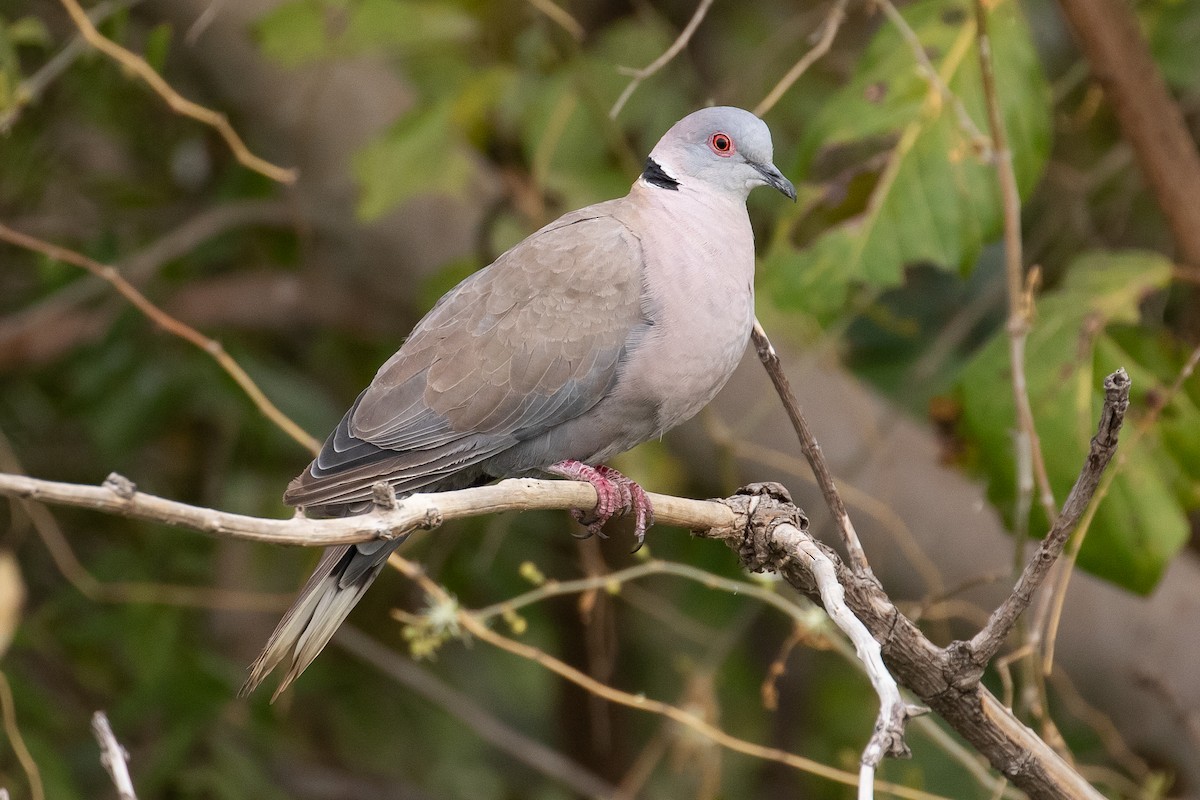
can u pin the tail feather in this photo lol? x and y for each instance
(319, 608)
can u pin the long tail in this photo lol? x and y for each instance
(342, 576)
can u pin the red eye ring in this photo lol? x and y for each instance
(721, 144)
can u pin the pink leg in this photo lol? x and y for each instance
(615, 493)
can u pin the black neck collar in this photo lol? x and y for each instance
(655, 175)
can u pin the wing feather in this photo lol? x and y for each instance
(531, 341)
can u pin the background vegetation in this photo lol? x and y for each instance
(431, 135)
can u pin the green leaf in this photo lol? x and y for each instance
(422, 153)
(1084, 331)
(897, 178)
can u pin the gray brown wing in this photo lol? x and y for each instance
(531, 341)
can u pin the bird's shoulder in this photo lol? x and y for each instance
(538, 333)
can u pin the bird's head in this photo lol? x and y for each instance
(722, 148)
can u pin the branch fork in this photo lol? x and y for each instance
(774, 537)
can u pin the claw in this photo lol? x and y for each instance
(616, 495)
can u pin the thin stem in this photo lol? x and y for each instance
(828, 31)
(812, 451)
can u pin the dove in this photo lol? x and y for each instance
(602, 330)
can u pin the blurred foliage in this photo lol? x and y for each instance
(890, 254)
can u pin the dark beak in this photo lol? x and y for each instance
(773, 177)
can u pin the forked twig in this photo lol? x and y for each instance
(985, 644)
(639, 75)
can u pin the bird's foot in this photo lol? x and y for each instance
(616, 495)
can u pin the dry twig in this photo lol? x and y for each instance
(30, 89)
(476, 628)
(828, 30)
(113, 756)
(639, 75)
(1048, 627)
(560, 16)
(985, 644)
(1020, 302)
(178, 103)
(812, 451)
(169, 324)
(981, 144)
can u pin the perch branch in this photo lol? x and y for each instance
(113, 757)
(167, 323)
(639, 75)
(812, 450)
(419, 511)
(178, 103)
(749, 525)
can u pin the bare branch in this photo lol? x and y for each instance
(948, 680)
(113, 756)
(828, 31)
(1054, 605)
(812, 451)
(642, 74)
(888, 738)
(419, 511)
(179, 104)
(1110, 35)
(169, 324)
(985, 644)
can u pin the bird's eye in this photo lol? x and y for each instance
(721, 144)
